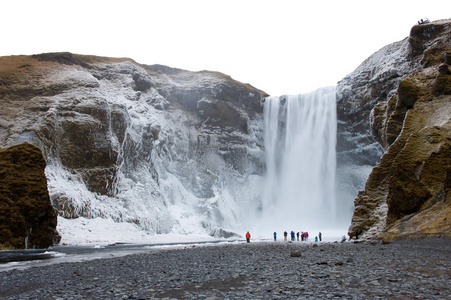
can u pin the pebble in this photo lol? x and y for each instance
(259, 270)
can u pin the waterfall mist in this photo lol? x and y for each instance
(300, 139)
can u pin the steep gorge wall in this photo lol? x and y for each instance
(374, 81)
(149, 145)
(408, 193)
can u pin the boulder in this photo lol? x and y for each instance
(223, 233)
(296, 253)
(27, 217)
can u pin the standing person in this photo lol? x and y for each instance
(302, 236)
(275, 236)
(306, 236)
(297, 235)
(285, 234)
(320, 236)
(248, 237)
(292, 235)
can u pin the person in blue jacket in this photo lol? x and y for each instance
(275, 236)
(292, 235)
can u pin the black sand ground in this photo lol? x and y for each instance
(409, 269)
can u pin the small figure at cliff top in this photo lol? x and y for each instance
(425, 21)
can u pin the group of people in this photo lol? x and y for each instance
(304, 236)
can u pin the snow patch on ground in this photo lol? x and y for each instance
(98, 231)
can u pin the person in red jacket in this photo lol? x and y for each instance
(248, 237)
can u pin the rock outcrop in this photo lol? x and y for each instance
(150, 145)
(408, 194)
(27, 217)
(374, 81)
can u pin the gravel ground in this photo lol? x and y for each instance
(406, 269)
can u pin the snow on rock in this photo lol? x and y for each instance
(140, 149)
(104, 231)
(373, 82)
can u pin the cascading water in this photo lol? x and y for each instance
(300, 138)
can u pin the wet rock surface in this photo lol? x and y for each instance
(404, 269)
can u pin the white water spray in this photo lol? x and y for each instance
(300, 139)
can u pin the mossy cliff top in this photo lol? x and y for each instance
(27, 218)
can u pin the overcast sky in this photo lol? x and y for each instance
(278, 46)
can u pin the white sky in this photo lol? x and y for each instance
(280, 47)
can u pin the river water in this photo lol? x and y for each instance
(23, 259)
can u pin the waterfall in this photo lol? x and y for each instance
(300, 138)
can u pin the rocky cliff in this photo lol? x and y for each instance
(404, 91)
(27, 217)
(173, 151)
(155, 146)
(374, 81)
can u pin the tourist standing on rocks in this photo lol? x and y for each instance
(306, 236)
(285, 234)
(297, 235)
(248, 237)
(320, 236)
(275, 236)
(292, 235)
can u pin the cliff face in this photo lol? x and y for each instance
(408, 193)
(27, 217)
(150, 145)
(374, 81)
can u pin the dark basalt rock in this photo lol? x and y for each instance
(27, 218)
